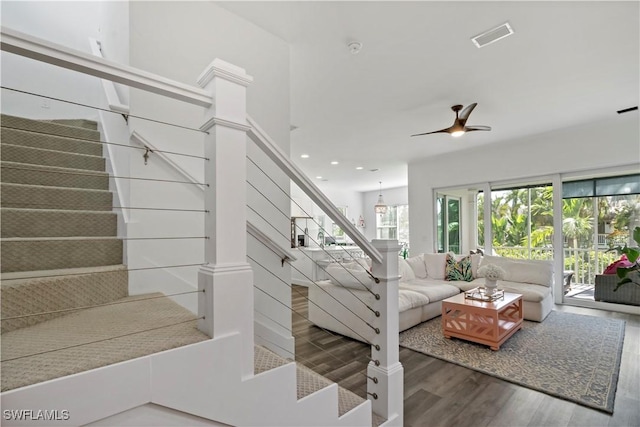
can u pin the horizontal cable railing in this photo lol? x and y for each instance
(262, 140)
(267, 190)
(329, 255)
(106, 110)
(135, 291)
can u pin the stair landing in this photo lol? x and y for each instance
(132, 327)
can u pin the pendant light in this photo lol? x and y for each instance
(380, 207)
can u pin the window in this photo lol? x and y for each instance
(521, 221)
(394, 224)
(448, 226)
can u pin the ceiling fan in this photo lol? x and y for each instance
(459, 126)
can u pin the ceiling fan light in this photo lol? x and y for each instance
(457, 133)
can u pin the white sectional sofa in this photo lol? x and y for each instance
(343, 307)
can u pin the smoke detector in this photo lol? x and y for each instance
(355, 47)
(493, 35)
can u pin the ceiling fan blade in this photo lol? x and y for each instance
(466, 112)
(479, 127)
(437, 131)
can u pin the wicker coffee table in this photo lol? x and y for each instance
(489, 323)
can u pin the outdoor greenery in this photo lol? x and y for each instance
(629, 274)
(522, 227)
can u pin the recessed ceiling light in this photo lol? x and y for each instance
(304, 156)
(318, 177)
(334, 163)
(359, 168)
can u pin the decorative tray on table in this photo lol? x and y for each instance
(480, 294)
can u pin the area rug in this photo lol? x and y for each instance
(571, 356)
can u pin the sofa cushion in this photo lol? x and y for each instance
(523, 270)
(418, 266)
(467, 286)
(408, 299)
(404, 270)
(529, 291)
(434, 291)
(349, 275)
(458, 270)
(435, 264)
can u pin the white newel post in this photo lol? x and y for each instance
(227, 278)
(389, 373)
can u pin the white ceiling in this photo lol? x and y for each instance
(567, 63)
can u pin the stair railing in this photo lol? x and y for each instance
(226, 302)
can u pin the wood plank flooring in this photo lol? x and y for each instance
(437, 393)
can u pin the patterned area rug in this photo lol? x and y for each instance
(571, 356)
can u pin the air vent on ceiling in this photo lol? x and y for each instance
(626, 110)
(493, 35)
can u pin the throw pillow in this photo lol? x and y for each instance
(458, 270)
(404, 270)
(418, 266)
(436, 264)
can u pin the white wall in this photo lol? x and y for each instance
(69, 24)
(179, 40)
(391, 196)
(302, 205)
(613, 143)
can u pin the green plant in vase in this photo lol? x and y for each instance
(629, 273)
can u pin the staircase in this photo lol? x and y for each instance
(60, 252)
(62, 260)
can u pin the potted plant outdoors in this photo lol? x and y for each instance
(630, 273)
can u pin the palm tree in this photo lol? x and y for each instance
(577, 219)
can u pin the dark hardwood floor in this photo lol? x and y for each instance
(437, 393)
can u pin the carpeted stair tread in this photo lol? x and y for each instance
(152, 326)
(50, 142)
(43, 197)
(56, 223)
(48, 291)
(308, 381)
(28, 254)
(52, 176)
(16, 276)
(377, 420)
(48, 127)
(45, 157)
(78, 123)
